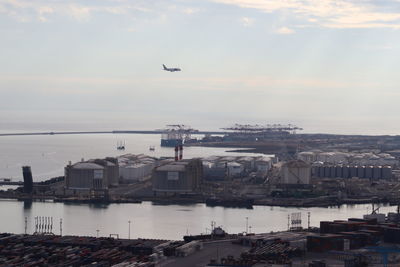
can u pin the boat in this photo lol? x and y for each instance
(230, 202)
(152, 148)
(120, 145)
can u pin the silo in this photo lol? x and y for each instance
(28, 180)
(319, 171)
(314, 171)
(345, 172)
(387, 172)
(339, 172)
(361, 171)
(368, 172)
(377, 173)
(327, 171)
(353, 171)
(332, 171)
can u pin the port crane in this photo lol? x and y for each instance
(180, 131)
(259, 128)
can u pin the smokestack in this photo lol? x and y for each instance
(176, 153)
(28, 180)
(180, 152)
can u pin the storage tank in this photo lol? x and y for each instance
(332, 172)
(368, 172)
(28, 180)
(387, 172)
(345, 172)
(353, 171)
(377, 173)
(339, 171)
(327, 171)
(361, 171)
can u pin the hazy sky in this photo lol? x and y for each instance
(326, 65)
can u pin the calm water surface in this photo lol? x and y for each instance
(165, 222)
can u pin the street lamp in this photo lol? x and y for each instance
(129, 230)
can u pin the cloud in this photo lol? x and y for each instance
(190, 11)
(27, 10)
(330, 13)
(284, 30)
(247, 21)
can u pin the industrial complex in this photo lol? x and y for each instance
(295, 170)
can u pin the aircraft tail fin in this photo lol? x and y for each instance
(164, 67)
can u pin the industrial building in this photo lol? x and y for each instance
(28, 180)
(223, 167)
(96, 174)
(178, 177)
(133, 168)
(295, 172)
(348, 171)
(347, 158)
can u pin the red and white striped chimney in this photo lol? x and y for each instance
(176, 153)
(180, 152)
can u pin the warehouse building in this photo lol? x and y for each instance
(178, 177)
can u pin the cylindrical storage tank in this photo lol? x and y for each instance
(332, 172)
(339, 172)
(387, 172)
(320, 172)
(353, 171)
(377, 173)
(327, 172)
(345, 172)
(368, 172)
(361, 171)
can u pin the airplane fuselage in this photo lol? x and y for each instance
(171, 69)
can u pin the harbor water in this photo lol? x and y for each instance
(48, 155)
(163, 221)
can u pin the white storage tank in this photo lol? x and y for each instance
(296, 172)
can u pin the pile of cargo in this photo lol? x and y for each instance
(50, 250)
(352, 234)
(274, 252)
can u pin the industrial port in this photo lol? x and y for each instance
(295, 170)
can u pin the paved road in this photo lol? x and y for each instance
(218, 249)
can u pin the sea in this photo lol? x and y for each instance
(49, 154)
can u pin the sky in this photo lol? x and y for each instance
(329, 66)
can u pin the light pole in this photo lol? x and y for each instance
(247, 224)
(97, 233)
(250, 229)
(129, 230)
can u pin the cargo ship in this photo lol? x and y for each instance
(175, 135)
(230, 202)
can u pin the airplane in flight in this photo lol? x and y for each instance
(171, 69)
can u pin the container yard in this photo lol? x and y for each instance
(51, 250)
